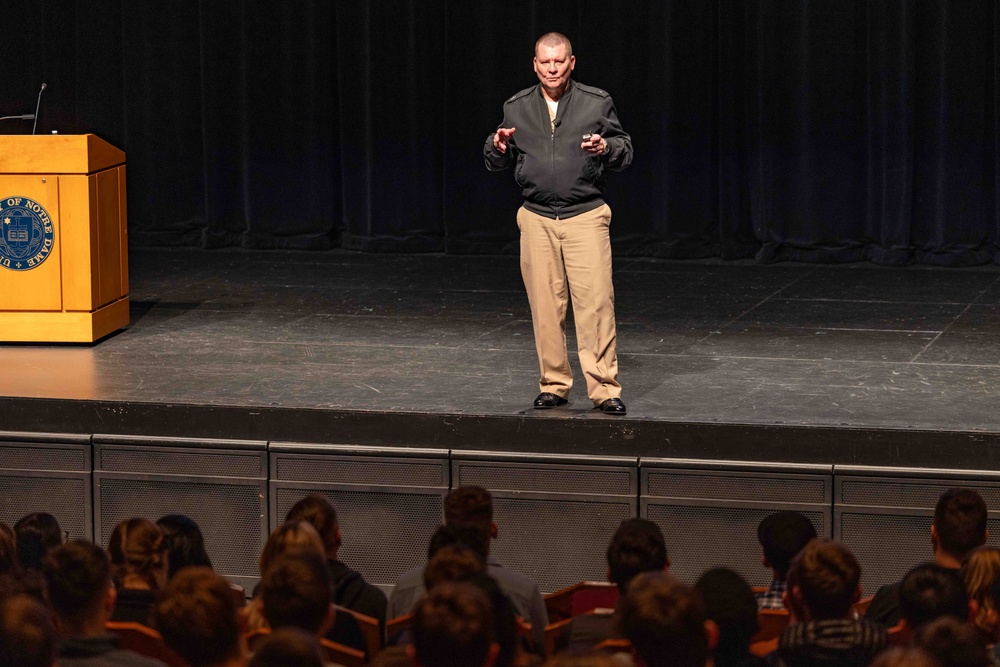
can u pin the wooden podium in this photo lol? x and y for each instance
(63, 239)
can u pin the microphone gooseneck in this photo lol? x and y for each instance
(38, 105)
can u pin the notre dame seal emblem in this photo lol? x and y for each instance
(26, 233)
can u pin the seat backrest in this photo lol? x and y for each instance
(369, 629)
(553, 632)
(861, 606)
(899, 634)
(770, 624)
(760, 649)
(396, 626)
(614, 646)
(342, 655)
(145, 641)
(579, 599)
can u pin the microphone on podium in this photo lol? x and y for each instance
(38, 105)
(29, 116)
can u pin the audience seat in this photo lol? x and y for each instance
(396, 626)
(580, 598)
(553, 632)
(369, 628)
(144, 641)
(899, 635)
(760, 649)
(614, 646)
(771, 623)
(861, 606)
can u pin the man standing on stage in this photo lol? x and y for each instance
(560, 136)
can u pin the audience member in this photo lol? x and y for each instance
(636, 547)
(823, 584)
(200, 620)
(289, 647)
(953, 643)
(473, 537)
(453, 627)
(295, 538)
(350, 589)
(781, 535)
(139, 563)
(82, 595)
(959, 527)
(980, 572)
(454, 562)
(288, 538)
(731, 605)
(898, 656)
(930, 591)
(36, 534)
(8, 550)
(184, 541)
(473, 506)
(27, 637)
(665, 621)
(295, 592)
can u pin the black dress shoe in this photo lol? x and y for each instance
(613, 406)
(547, 400)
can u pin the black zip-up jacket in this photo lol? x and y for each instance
(559, 179)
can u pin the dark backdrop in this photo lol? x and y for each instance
(783, 129)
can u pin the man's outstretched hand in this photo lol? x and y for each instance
(502, 137)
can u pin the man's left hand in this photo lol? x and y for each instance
(595, 144)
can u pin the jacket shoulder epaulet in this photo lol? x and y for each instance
(522, 93)
(592, 90)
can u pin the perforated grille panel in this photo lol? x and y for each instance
(231, 516)
(14, 457)
(884, 492)
(67, 499)
(736, 487)
(545, 478)
(385, 533)
(888, 545)
(172, 462)
(372, 472)
(699, 538)
(556, 542)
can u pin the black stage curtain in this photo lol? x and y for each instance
(821, 131)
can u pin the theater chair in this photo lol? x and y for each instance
(580, 598)
(369, 628)
(144, 641)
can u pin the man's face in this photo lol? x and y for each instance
(553, 67)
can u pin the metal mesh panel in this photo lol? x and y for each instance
(334, 470)
(736, 487)
(43, 458)
(699, 538)
(169, 462)
(888, 545)
(545, 478)
(65, 499)
(385, 533)
(230, 516)
(884, 492)
(556, 543)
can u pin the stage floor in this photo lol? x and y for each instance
(856, 349)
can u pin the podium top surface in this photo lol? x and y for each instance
(57, 154)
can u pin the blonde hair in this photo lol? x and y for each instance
(979, 570)
(290, 537)
(136, 548)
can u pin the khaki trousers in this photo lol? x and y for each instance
(571, 258)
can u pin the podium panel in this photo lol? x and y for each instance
(37, 288)
(63, 239)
